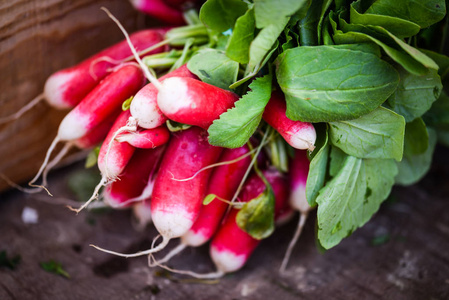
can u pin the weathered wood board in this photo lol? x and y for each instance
(38, 38)
(413, 263)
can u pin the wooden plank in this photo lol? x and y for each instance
(38, 38)
(412, 264)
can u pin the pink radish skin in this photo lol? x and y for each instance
(144, 106)
(146, 139)
(159, 10)
(133, 179)
(97, 134)
(224, 182)
(193, 102)
(67, 87)
(231, 246)
(300, 135)
(299, 170)
(101, 102)
(119, 153)
(175, 205)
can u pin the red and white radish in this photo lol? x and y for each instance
(144, 108)
(147, 138)
(193, 102)
(159, 10)
(66, 88)
(176, 203)
(223, 183)
(231, 246)
(299, 135)
(134, 179)
(299, 169)
(102, 102)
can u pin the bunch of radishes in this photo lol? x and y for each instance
(165, 173)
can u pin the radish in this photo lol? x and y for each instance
(223, 183)
(102, 102)
(231, 246)
(159, 10)
(66, 88)
(176, 203)
(193, 102)
(134, 179)
(146, 139)
(299, 169)
(144, 106)
(113, 156)
(300, 135)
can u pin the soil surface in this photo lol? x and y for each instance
(402, 253)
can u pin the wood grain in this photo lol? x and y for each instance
(38, 38)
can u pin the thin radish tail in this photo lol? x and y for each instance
(145, 69)
(94, 196)
(18, 187)
(55, 161)
(131, 126)
(159, 247)
(302, 221)
(213, 275)
(173, 252)
(23, 110)
(44, 164)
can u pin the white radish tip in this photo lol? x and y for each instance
(226, 261)
(305, 140)
(171, 225)
(173, 96)
(193, 239)
(55, 87)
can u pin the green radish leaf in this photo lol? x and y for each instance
(55, 268)
(92, 157)
(415, 94)
(237, 125)
(337, 158)
(318, 166)
(438, 115)
(352, 197)
(9, 262)
(214, 67)
(127, 103)
(443, 63)
(329, 83)
(241, 38)
(270, 12)
(378, 134)
(209, 198)
(256, 217)
(220, 15)
(264, 42)
(176, 126)
(416, 139)
(422, 12)
(397, 26)
(408, 57)
(308, 26)
(414, 166)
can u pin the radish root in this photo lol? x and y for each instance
(145, 69)
(23, 110)
(214, 275)
(175, 251)
(159, 247)
(302, 221)
(94, 196)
